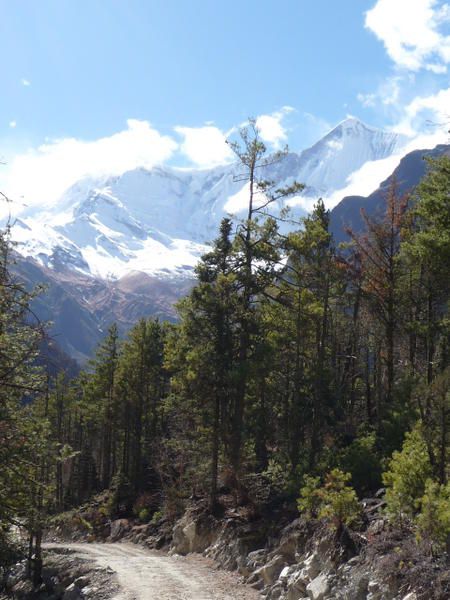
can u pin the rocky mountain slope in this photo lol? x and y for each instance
(158, 221)
(80, 308)
(125, 247)
(406, 176)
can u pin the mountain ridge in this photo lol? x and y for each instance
(160, 220)
(82, 305)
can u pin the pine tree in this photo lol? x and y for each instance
(257, 255)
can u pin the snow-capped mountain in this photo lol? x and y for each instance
(159, 221)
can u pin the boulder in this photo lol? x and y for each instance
(119, 528)
(286, 571)
(311, 566)
(296, 586)
(257, 557)
(270, 571)
(318, 588)
(73, 592)
(275, 592)
(193, 534)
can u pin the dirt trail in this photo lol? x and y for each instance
(150, 575)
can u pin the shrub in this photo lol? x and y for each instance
(144, 515)
(339, 501)
(433, 521)
(145, 505)
(406, 476)
(277, 476)
(309, 501)
(336, 500)
(361, 459)
(157, 516)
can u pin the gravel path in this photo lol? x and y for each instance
(150, 575)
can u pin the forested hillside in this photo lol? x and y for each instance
(300, 371)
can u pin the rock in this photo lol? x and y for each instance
(22, 589)
(243, 566)
(311, 566)
(376, 591)
(288, 546)
(296, 586)
(270, 571)
(284, 573)
(361, 585)
(119, 528)
(257, 557)
(275, 593)
(410, 596)
(73, 592)
(194, 534)
(81, 582)
(253, 578)
(318, 588)
(258, 584)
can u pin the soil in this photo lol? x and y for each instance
(150, 575)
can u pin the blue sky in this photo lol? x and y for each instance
(187, 72)
(94, 64)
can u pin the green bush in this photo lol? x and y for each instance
(339, 501)
(335, 500)
(145, 505)
(278, 477)
(406, 476)
(144, 515)
(157, 516)
(309, 501)
(362, 461)
(433, 521)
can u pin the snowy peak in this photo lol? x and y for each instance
(346, 148)
(159, 221)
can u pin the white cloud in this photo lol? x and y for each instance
(388, 93)
(238, 202)
(41, 175)
(367, 100)
(433, 109)
(306, 203)
(25, 82)
(411, 31)
(205, 146)
(271, 127)
(12, 124)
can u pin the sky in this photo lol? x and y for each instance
(97, 86)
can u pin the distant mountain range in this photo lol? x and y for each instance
(119, 248)
(158, 221)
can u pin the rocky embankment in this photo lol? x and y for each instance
(286, 559)
(280, 558)
(65, 577)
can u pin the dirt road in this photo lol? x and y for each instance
(150, 575)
